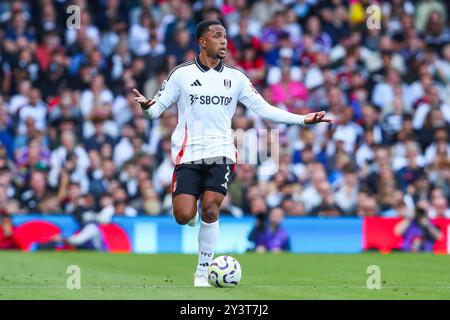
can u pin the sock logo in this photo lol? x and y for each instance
(204, 264)
(205, 254)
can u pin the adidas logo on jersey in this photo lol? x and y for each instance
(196, 83)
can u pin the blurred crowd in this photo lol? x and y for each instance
(69, 127)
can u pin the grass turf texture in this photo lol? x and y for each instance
(42, 275)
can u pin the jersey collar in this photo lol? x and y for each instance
(204, 68)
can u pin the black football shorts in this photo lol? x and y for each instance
(196, 177)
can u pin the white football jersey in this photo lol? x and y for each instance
(206, 100)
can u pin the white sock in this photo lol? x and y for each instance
(207, 239)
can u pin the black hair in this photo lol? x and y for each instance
(203, 27)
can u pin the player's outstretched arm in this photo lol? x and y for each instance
(250, 97)
(272, 113)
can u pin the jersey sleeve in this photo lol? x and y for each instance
(168, 93)
(250, 97)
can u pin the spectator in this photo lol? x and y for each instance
(183, 43)
(117, 206)
(21, 98)
(349, 132)
(263, 10)
(384, 91)
(322, 41)
(252, 64)
(6, 131)
(243, 34)
(328, 206)
(87, 29)
(430, 116)
(367, 205)
(70, 158)
(399, 208)
(148, 6)
(96, 102)
(336, 23)
(443, 66)
(99, 138)
(436, 32)
(245, 177)
(275, 36)
(439, 207)
(439, 148)
(140, 35)
(6, 231)
(365, 153)
(393, 120)
(50, 204)
(31, 156)
(31, 197)
(346, 195)
(183, 18)
(3, 196)
(36, 110)
(440, 176)
(310, 196)
(64, 114)
(419, 233)
(411, 170)
(270, 236)
(18, 34)
(285, 64)
(56, 76)
(289, 92)
(88, 235)
(151, 202)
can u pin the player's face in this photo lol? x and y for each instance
(216, 42)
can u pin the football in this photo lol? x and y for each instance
(224, 272)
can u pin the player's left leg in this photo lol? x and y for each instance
(214, 186)
(208, 235)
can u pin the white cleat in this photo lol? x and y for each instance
(201, 280)
(194, 220)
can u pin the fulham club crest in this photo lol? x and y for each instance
(227, 83)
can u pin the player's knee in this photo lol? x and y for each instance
(210, 213)
(183, 216)
(182, 220)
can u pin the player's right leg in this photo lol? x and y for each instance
(184, 208)
(185, 192)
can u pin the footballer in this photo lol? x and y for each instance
(206, 92)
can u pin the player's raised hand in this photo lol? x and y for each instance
(317, 117)
(143, 101)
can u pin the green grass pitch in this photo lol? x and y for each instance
(43, 275)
